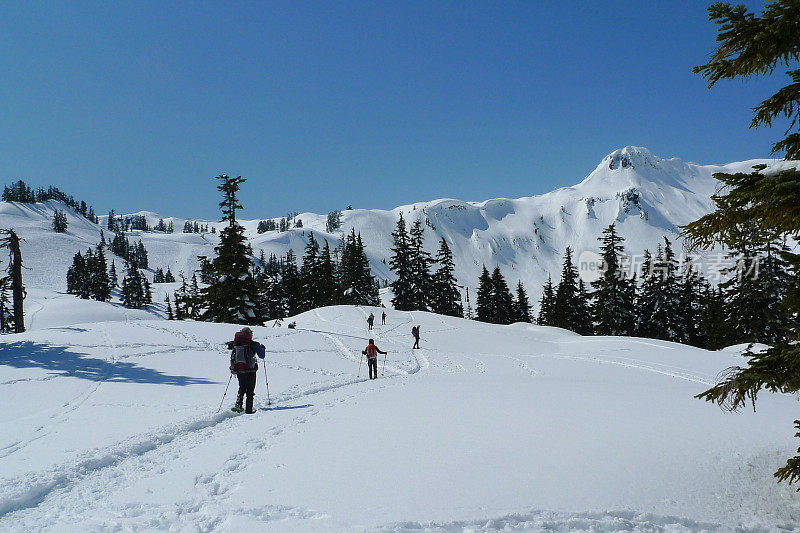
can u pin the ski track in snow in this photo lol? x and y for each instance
(112, 466)
(74, 489)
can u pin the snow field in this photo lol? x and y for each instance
(114, 425)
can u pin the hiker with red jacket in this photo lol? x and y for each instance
(243, 363)
(372, 351)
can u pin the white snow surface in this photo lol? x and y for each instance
(647, 196)
(112, 424)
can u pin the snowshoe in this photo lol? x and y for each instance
(237, 409)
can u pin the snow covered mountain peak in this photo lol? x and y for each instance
(630, 157)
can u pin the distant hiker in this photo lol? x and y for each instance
(372, 351)
(243, 363)
(383, 318)
(370, 320)
(415, 333)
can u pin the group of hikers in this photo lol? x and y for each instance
(245, 350)
(371, 320)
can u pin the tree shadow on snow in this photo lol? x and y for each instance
(59, 360)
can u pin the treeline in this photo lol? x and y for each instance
(21, 192)
(134, 253)
(496, 304)
(278, 287)
(89, 277)
(671, 300)
(423, 283)
(284, 224)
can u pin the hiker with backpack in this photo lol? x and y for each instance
(244, 365)
(383, 318)
(370, 320)
(372, 351)
(415, 333)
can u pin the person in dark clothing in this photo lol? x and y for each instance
(372, 351)
(383, 318)
(370, 320)
(243, 363)
(415, 333)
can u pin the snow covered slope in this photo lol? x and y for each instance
(114, 426)
(646, 195)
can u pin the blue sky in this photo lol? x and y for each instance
(323, 104)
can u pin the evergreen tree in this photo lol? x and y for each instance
(749, 45)
(484, 303)
(421, 279)
(522, 307)
(60, 222)
(170, 315)
(169, 277)
(292, 286)
(78, 277)
(99, 280)
(310, 275)
(613, 297)
(665, 319)
(231, 295)
(112, 276)
(647, 300)
(501, 299)
(446, 300)
(690, 307)
(401, 264)
(547, 305)
(714, 322)
(328, 289)
(133, 295)
(571, 307)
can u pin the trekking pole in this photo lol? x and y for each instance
(359, 364)
(266, 380)
(226, 393)
(383, 372)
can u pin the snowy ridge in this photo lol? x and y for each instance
(647, 196)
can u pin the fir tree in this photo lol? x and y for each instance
(446, 300)
(60, 222)
(750, 45)
(714, 321)
(484, 302)
(522, 307)
(99, 280)
(401, 264)
(133, 295)
(421, 279)
(613, 296)
(292, 286)
(547, 305)
(571, 308)
(328, 289)
(169, 277)
(170, 315)
(231, 295)
(309, 274)
(112, 277)
(501, 299)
